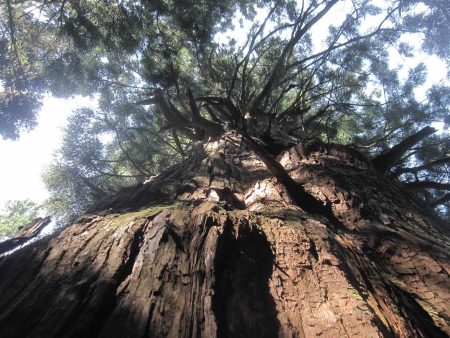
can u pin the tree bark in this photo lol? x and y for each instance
(218, 247)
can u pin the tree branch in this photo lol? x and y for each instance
(425, 166)
(12, 32)
(154, 133)
(234, 114)
(178, 143)
(389, 158)
(127, 155)
(427, 185)
(97, 192)
(210, 127)
(278, 68)
(334, 46)
(444, 199)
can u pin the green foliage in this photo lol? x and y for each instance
(15, 214)
(131, 54)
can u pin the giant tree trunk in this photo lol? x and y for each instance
(218, 247)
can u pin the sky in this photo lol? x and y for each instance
(25, 159)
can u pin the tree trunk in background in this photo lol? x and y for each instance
(215, 247)
(26, 233)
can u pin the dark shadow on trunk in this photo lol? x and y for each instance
(57, 307)
(242, 303)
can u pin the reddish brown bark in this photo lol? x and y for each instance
(221, 248)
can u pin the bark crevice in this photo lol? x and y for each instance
(239, 255)
(242, 302)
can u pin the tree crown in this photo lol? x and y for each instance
(165, 82)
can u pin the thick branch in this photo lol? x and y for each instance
(199, 121)
(96, 191)
(177, 120)
(170, 112)
(389, 158)
(178, 143)
(444, 199)
(232, 114)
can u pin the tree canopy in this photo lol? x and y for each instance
(166, 77)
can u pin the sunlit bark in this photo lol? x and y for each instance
(220, 247)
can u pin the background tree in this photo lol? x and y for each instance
(16, 214)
